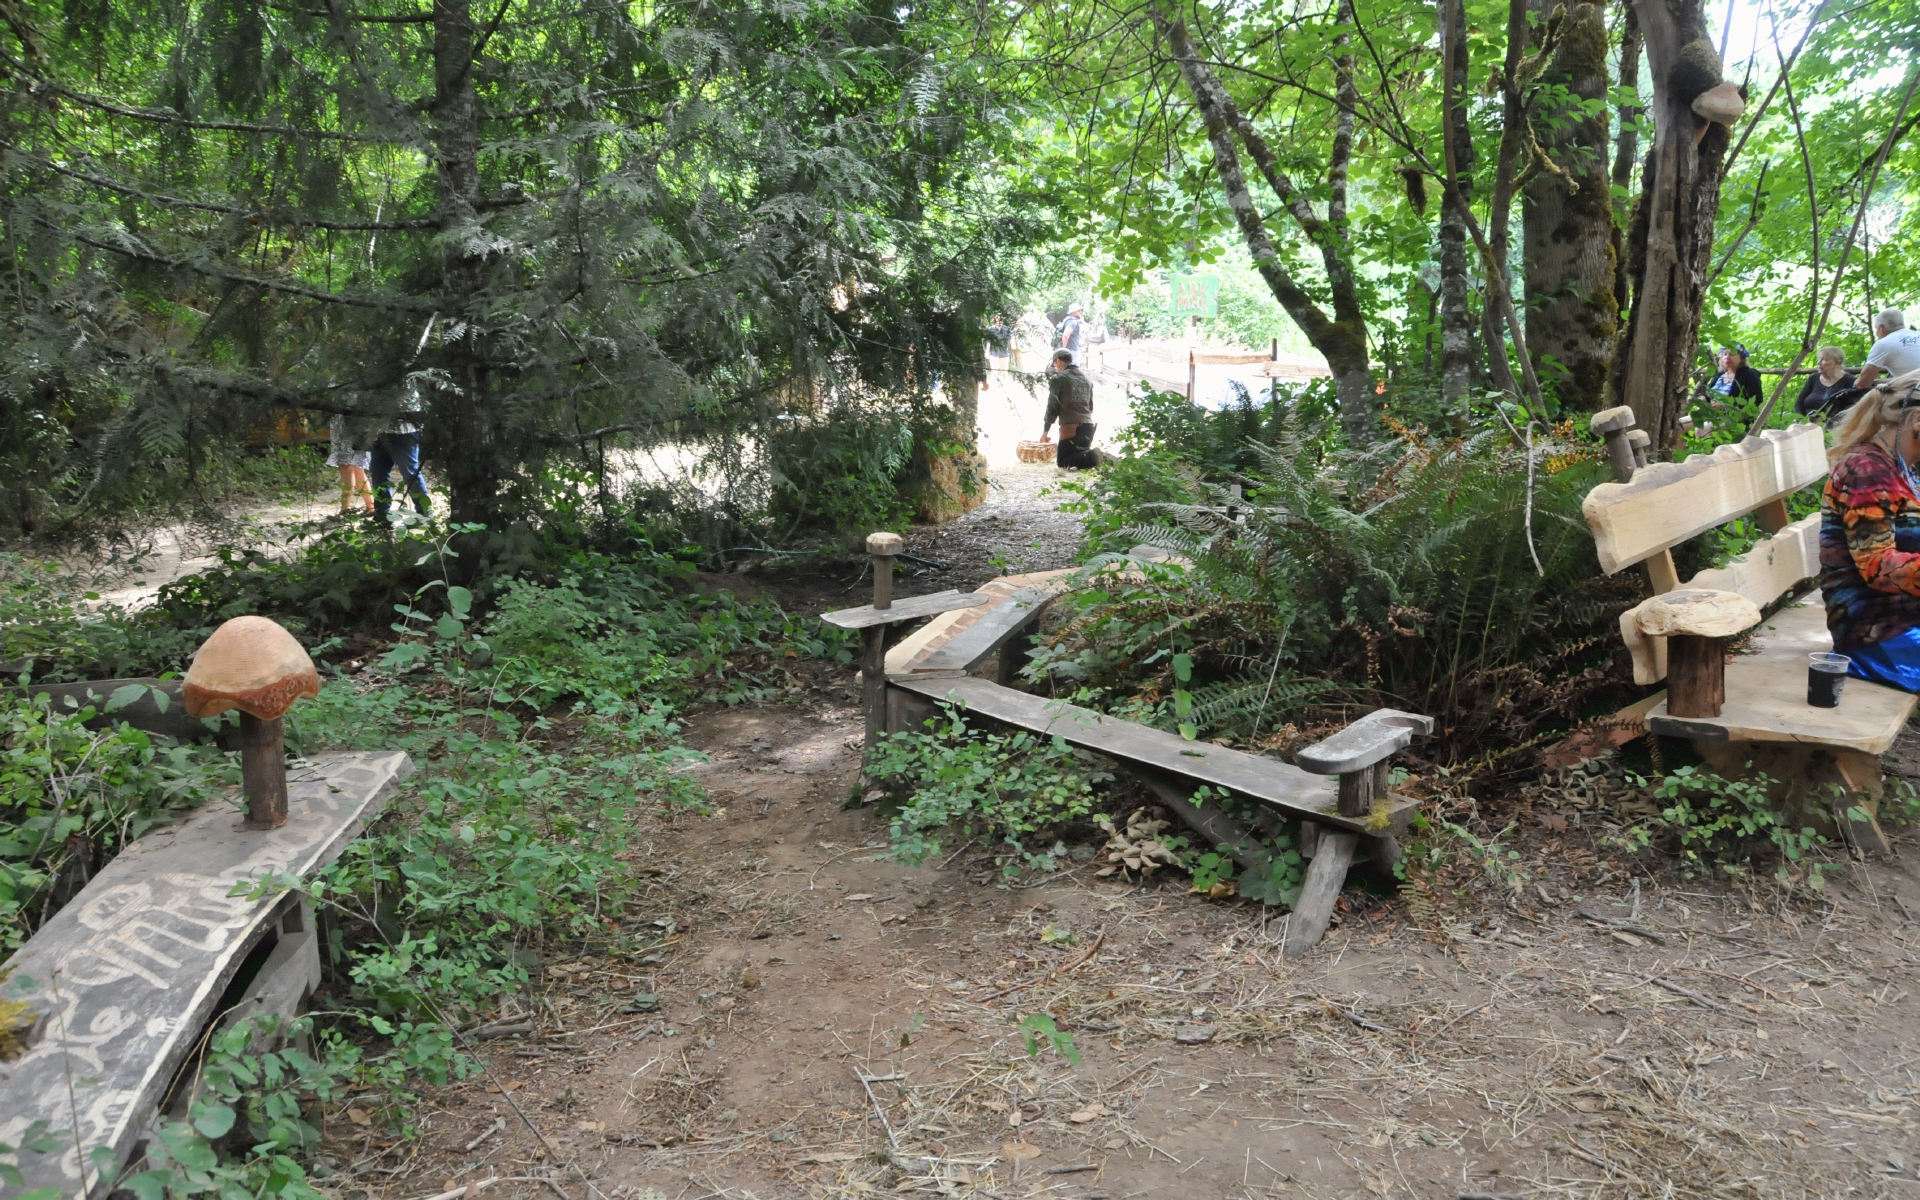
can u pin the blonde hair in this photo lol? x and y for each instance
(1883, 406)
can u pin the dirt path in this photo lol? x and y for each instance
(1591, 1036)
(132, 575)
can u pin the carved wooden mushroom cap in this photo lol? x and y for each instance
(1720, 103)
(1697, 612)
(1609, 419)
(252, 664)
(885, 543)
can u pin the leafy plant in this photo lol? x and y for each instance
(1725, 824)
(1401, 576)
(1043, 1032)
(72, 797)
(1015, 787)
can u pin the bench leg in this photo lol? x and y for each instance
(873, 683)
(1325, 877)
(1013, 656)
(1863, 777)
(907, 711)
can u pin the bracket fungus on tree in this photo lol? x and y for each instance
(253, 665)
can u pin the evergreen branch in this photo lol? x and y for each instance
(169, 117)
(166, 201)
(271, 285)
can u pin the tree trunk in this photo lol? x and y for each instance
(1343, 337)
(1626, 150)
(1670, 246)
(1567, 220)
(460, 424)
(1456, 319)
(1506, 169)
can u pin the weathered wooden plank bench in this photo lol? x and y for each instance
(1763, 719)
(126, 979)
(1338, 791)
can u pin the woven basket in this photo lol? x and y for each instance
(1033, 452)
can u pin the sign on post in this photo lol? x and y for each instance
(1193, 295)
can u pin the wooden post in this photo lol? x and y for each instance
(1640, 441)
(1192, 372)
(1325, 875)
(1772, 515)
(1616, 425)
(1357, 792)
(873, 658)
(263, 771)
(1696, 675)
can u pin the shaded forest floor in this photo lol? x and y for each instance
(828, 1024)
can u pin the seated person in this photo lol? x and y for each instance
(1896, 349)
(1870, 536)
(1736, 378)
(1829, 390)
(1070, 400)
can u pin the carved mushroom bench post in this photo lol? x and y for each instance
(131, 977)
(1361, 756)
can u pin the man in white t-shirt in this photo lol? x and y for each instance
(1896, 349)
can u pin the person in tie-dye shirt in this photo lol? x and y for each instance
(1870, 535)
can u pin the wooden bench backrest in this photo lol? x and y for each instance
(1667, 503)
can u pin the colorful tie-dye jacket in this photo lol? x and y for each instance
(1869, 550)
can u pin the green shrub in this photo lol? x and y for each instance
(71, 798)
(53, 629)
(1016, 788)
(1729, 824)
(1401, 577)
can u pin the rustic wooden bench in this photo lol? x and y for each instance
(1338, 791)
(1764, 723)
(126, 979)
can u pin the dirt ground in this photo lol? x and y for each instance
(826, 1023)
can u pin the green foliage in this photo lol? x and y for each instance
(1400, 576)
(1016, 787)
(73, 797)
(1725, 824)
(1043, 1032)
(841, 470)
(53, 628)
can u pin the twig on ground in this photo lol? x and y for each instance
(1062, 970)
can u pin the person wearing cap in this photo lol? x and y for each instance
(1870, 536)
(1736, 378)
(1896, 349)
(999, 343)
(1073, 331)
(1070, 401)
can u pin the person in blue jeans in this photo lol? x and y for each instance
(399, 447)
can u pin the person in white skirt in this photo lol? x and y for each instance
(353, 463)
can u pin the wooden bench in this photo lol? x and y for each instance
(125, 980)
(1338, 791)
(1765, 721)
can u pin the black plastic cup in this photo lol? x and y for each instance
(1826, 675)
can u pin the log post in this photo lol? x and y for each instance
(1616, 426)
(1697, 623)
(1640, 441)
(254, 665)
(873, 658)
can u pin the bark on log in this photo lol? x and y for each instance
(1670, 244)
(1696, 676)
(1567, 222)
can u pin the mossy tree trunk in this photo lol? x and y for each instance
(1573, 315)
